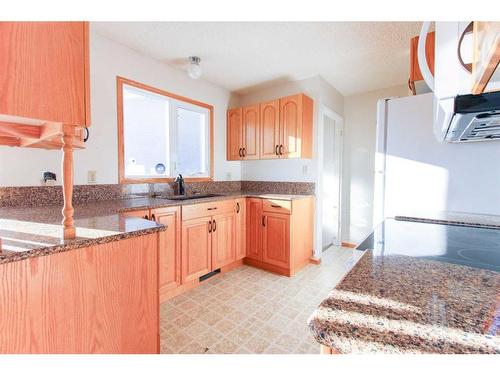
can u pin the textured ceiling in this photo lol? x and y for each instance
(242, 56)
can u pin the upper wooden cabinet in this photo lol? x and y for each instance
(251, 131)
(269, 129)
(296, 114)
(415, 74)
(44, 72)
(281, 128)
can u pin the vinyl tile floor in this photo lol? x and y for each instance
(252, 311)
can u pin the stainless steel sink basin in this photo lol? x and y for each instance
(187, 197)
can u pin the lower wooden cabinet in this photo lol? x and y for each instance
(196, 247)
(280, 234)
(241, 228)
(169, 249)
(223, 240)
(254, 228)
(276, 239)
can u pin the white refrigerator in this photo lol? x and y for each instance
(415, 175)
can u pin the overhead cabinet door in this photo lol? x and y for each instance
(234, 134)
(269, 129)
(251, 124)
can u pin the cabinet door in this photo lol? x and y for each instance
(196, 244)
(44, 71)
(269, 129)
(276, 239)
(234, 134)
(170, 247)
(240, 228)
(223, 240)
(251, 131)
(254, 227)
(290, 126)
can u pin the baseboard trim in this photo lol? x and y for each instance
(348, 244)
(315, 260)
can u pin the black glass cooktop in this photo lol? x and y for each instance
(469, 246)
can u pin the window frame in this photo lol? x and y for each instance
(120, 81)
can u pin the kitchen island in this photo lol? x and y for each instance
(413, 301)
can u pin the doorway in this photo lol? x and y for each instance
(329, 189)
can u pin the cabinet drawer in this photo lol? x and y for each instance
(208, 209)
(277, 205)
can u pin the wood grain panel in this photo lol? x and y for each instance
(276, 239)
(43, 69)
(198, 210)
(251, 132)
(170, 248)
(241, 229)
(254, 227)
(223, 240)
(291, 126)
(196, 245)
(269, 129)
(100, 299)
(234, 134)
(144, 214)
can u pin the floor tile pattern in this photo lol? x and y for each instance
(252, 311)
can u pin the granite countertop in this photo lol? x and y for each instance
(394, 302)
(36, 231)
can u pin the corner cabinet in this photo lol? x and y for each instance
(280, 234)
(277, 129)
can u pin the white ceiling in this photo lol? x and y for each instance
(352, 56)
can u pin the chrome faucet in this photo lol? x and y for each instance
(180, 185)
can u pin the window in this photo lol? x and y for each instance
(161, 135)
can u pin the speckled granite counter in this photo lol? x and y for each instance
(397, 303)
(35, 231)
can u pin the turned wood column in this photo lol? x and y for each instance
(67, 182)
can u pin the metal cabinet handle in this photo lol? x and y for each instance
(153, 217)
(276, 151)
(281, 149)
(237, 207)
(210, 226)
(275, 206)
(146, 217)
(239, 152)
(263, 221)
(244, 151)
(211, 208)
(214, 226)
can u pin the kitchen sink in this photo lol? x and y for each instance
(187, 197)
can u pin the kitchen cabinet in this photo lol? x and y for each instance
(196, 247)
(209, 237)
(415, 74)
(143, 214)
(281, 128)
(234, 133)
(169, 249)
(223, 240)
(276, 239)
(44, 72)
(280, 234)
(270, 129)
(241, 228)
(254, 227)
(251, 132)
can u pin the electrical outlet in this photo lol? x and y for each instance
(91, 177)
(229, 176)
(305, 169)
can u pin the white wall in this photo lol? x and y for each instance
(301, 170)
(24, 167)
(360, 115)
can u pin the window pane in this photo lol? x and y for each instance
(192, 142)
(146, 133)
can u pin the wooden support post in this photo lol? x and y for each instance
(67, 182)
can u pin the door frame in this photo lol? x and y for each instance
(325, 111)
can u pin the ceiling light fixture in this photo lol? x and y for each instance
(194, 70)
